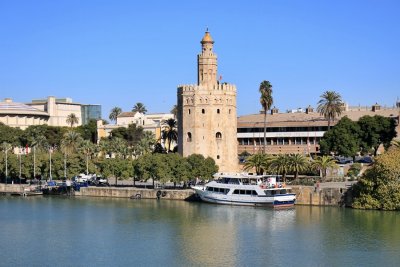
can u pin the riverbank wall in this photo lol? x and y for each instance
(131, 192)
(306, 195)
(12, 188)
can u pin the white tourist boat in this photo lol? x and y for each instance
(248, 190)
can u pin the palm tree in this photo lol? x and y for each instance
(38, 142)
(330, 106)
(259, 162)
(174, 110)
(145, 144)
(280, 165)
(72, 119)
(322, 163)
(5, 147)
(297, 163)
(114, 113)
(69, 145)
(139, 107)
(266, 101)
(88, 149)
(170, 132)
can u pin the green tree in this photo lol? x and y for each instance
(330, 106)
(115, 111)
(69, 145)
(201, 167)
(281, 165)
(6, 148)
(323, 163)
(375, 131)
(343, 139)
(266, 102)
(259, 162)
(88, 149)
(139, 107)
(88, 131)
(146, 144)
(10, 135)
(379, 187)
(170, 133)
(72, 119)
(297, 164)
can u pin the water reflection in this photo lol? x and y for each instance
(115, 232)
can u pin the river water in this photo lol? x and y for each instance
(40, 231)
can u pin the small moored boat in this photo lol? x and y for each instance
(248, 190)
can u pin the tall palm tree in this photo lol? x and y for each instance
(88, 149)
(114, 113)
(6, 147)
(330, 106)
(170, 132)
(139, 107)
(298, 163)
(38, 142)
(69, 145)
(72, 119)
(323, 163)
(280, 165)
(266, 101)
(259, 162)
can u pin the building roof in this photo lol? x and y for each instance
(304, 119)
(14, 108)
(127, 114)
(207, 38)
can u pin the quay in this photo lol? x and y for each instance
(328, 195)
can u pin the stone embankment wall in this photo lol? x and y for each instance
(12, 188)
(307, 195)
(135, 192)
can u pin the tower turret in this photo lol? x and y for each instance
(207, 62)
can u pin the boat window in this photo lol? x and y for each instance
(283, 191)
(242, 192)
(236, 192)
(268, 193)
(210, 189)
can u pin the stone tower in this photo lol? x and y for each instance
(207, 121)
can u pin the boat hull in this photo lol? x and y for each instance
(281, 201)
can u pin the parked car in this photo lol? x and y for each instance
(98, 180)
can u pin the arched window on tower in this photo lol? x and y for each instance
(189, 137)
(218, 111)
(218, 135)
(203, 111)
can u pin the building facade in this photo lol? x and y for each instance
(297, 131)
(149, 122)
(60, 108)
(207, 121)
(50, 111)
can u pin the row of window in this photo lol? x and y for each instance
(218, 136)
(280, 141)
(203, 111)
(283, 129)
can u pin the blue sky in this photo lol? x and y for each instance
(117, 53)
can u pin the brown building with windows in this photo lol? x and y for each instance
(296, 131)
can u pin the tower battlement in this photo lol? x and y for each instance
(215, 87)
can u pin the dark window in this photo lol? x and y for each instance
(236, 192)
(218, 135)
(217, 156)
(203, 111)
(189, 137)
(189, 111)
(218, 110)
